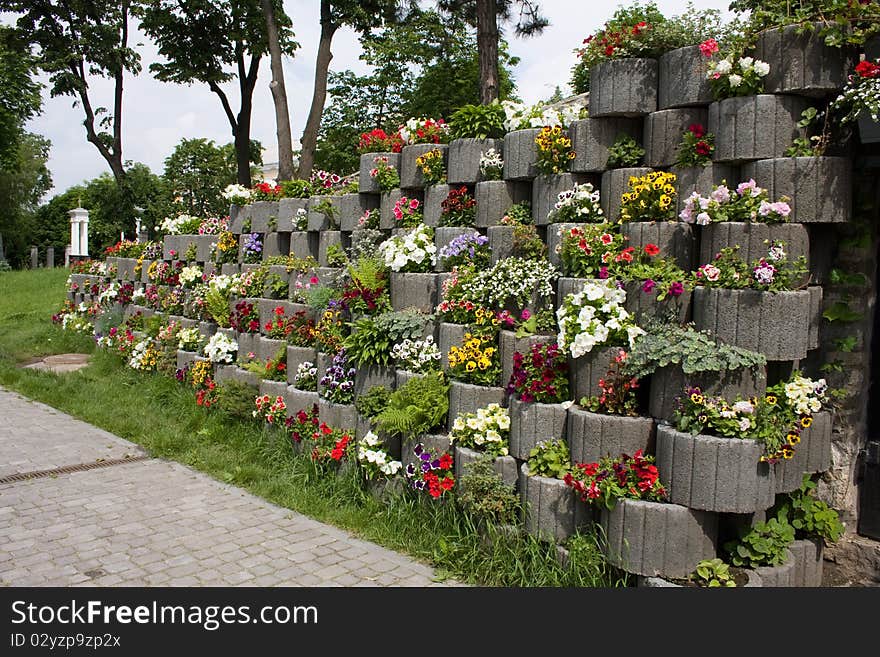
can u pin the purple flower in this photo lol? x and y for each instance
(410, 470)
(435, 464)
(676, 289)
(418, 449)
(425, 456)
(603, 272)
(648, 286)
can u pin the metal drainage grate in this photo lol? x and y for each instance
(67, 469)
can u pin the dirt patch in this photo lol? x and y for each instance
(59, 363)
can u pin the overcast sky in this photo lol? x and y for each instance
(157, 115)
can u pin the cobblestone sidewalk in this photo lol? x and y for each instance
(157, 523)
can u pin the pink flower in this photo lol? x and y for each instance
(414, 204)
(709, 47)
(525, 314)
(648, 286)
(676, 289)
(313, 280)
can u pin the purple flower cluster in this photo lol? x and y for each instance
(469, 247)
(338, 382)
(252, 246)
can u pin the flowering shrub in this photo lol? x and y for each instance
(696, 147)
(424, 131)
(651, 198)
(554, 150)
(861, 94)
(164, 273)
(299, 287)
(773, 273)
(659, 276)
(252, 247)
(245, 318)
(610, 479)
(266, 190)
(221, 349)
(459, 208)
(595, 316)
(617, 390)
(125, 249)
(190, 339)
(467, 249)
(407, 213)
(225, 251)
(337, 384)
(419, 356)
(378, 141)
(549, 458)
(385, 175)
(476, 360)
(511, 284)
(182, 224)
(540, 376)
(487, 430)
(329, 446)
(306, 377)
(491, 165)
(430, 474)
(374, 460)
(747, 203)
(733, 76)
(413, 252)
(237, 194)
(578, 204)
(590, 251)
(433, 166)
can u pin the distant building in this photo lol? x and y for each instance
(269, 170)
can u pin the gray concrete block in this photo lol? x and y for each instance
(702, 179)
(248, 343)
(328, 220)
(268, 348)
(304, 244)
(812, 454)
(170, 247)
(505, 466)
(125, 269)
(520, 154)
(509, 344)
(591, 138)
(722, 475)
(644, 305)
(752, 238)
(754, 127)
(669, 382)
(207, 329)
(230, 269)
(776, 324)
(386, 206)
(615, 183)
(467, 398)
(352, 208)
(227, 373)
(296, 356)
(366, 184)
(204, 246)
(778, 576)
(533, 422)
(501, 242)
(325, 239)
(235, 218)
(663, 133)
(418, 291)
(289, 212)
(338, 416)
(267, 308)
(623, 87)
(819, 188)
(808, 559)
(549, 506)
(592, 436)
(802, 64)
(276, 244)
(299, 400)
(184, 358)
(449, 335)
(402, 376)
(816, 294)
(410, 174)
(675, 239)
(434, 197)
(494, 198)
(585, 372)
(273, 388)
(682, 78)
(368, 376)
(546, 189)
(464, 159)
(436, 444)
(261, 214)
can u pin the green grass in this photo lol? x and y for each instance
(156, 412)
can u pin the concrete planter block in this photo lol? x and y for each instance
(337, 416)
(303, 244)
(369, 376)
(184, 358)
(325, 240)
(812, 454)
(754, 581)
(318, 221)
(615, 183)
(352, 208)
(402, 376)
(434, 443)
(261, 214)
(754, 127)
(125, 269)
(592, 436)
(623, 87)
(235, 218)
(204, 246)
(226, 373)
(296, 356)
(464, 159)
(505, 466)
(386, 208)
(533, 422)
(276, 244)
(549, 512)
(443, 235)
(366, 184)
(702, 179)
(230, 269)
(776, 324)
(501, 242)
(299, 400)
(778, 576)
(808, 558)
(566, 285)
(651, 538)
(816, 294)
(450, 335)
(267, 309)
(467, 398)
(207, 329)
(145, 271)
(418, 291)
(819, 188)
(249, 267)
(753, 239)
(210, 269)
(322, 361)
(273, 388)
(170, 245)
(585, 372)
(434, 197)
(288, 213)
(682, 78)
(228, 332)
(267, 348)
(644, 306)
(494, 198)
(669, 382)
(591, 139)
(509, 344)
(520, 155)
(674, 238)
(802, 64)
(546, 189)
(410, 174)
(714, 474)
(663, 132)
(248, 343)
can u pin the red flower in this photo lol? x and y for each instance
(445, 461)
(447, 483)
(609, 50)
(709, 47)
(652, 249)
(697, 129)
(703, 148)
(868, 69)
(638, 27)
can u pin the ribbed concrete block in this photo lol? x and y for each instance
(443, 235)
(434, 197)
(268, 348)
(592, 436)
(338, 416)
(546, 189)
(368, 376)
(261, 214)
(808, 559)
(675, 239)
(549, 506)
(585, 372)
(776, 324)
(436, 444)
(248, 343)
(318, 221)
(230, 269)
(386, 208)
(778, 576)
(802, 64)
(754, 127)
(682, 78)
(655, 539)
(816, 294)
(235, 218)
(504, 466)
(410, 174)
(273, 388)
(663, 132)
(299, 400)
(509, 344)
(566, 285)
(276, 244)
(623, 87)
(819, 188)
(702, 179)
(753, 581)
(304, 244)
(204, 246)
(402, 376)
(753, 239)
(184, 358)
(366, 184)
(352, 208)
(615, 183)
(669, 382)
(520, 154)
(170, 248)
(591, 138)
(450, 335)
(467, 398)
(494, 198)
(644, 305)
(419, 291)
(125, 269)
(464, 159)
(812, 454)
(288, 212)
(296, 356)
(326, 239)
(554, 242)
(227, 373)
(724, 475)
(533, 422)
(207, 329)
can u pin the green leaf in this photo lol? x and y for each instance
(841, 312)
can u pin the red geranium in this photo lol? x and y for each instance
(868, 69)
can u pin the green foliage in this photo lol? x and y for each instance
(236, 399)
(19, 93)
(810, 517)
(372, 338)
(478, 122)
(625, 152)
(841, 277)
(484, 496)
(373, 401)
(712, 573)
(318, 297)
(336, 256)
(841, 312)
(24, 178)
(806, 145)
(190, 254)
(765, 545)
(694, 351)
(847, 344)
(417, 407)
(550, 458)
(197, 172)
(296, 188)
(327, 208)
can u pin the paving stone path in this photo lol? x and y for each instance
(151, 522)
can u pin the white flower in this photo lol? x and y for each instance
(744, 424)
(703, 219)
(761, 68)
(724, 66)
(734, 80)
(745, 63)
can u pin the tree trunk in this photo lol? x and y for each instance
(322, 65)
(279, 95)
(487, 49)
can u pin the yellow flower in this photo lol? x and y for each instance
(669, 189)
(665, 201)
(770, 399)
(471, 366)
(806, 422)
(484, 363)
(696, 398)
(793, 438)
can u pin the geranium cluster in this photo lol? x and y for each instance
(860, 97)
(413, 252)
(424, 131)
(540, 375)
(590, 251)
(430, 474)
(267, 190)
(467, 249)
(578, 204)
(748, 202)
(610, 479)
(418, 356)
(696, 147)
(378, 141)
(273, 410)
(487, 430)
(374, 459)
(736, 76)
(407, 212)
